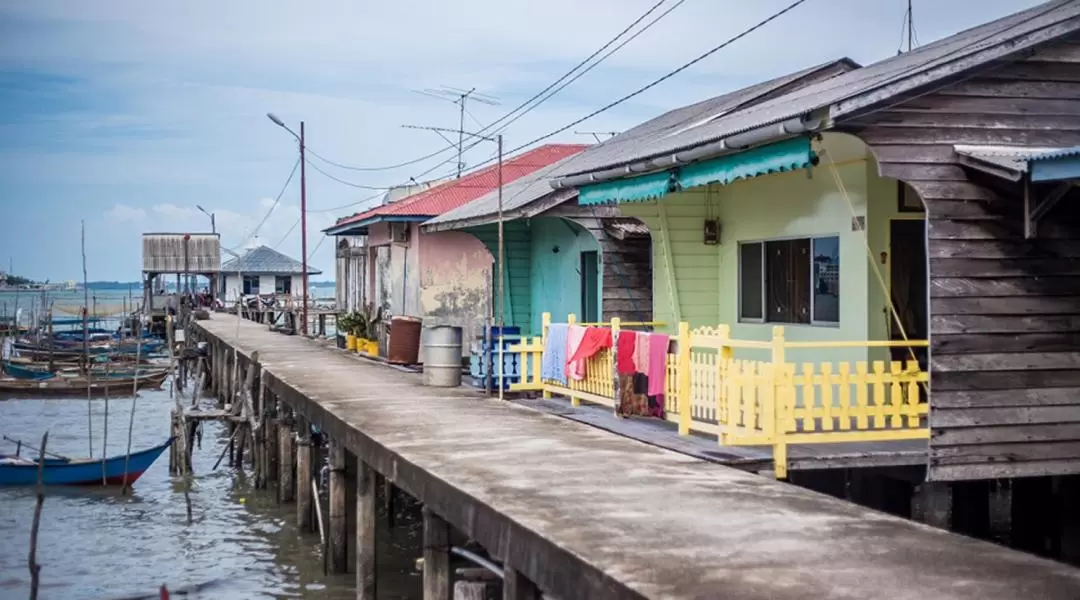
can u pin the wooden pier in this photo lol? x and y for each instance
(575, 512)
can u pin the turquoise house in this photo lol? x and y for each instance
(559, 257)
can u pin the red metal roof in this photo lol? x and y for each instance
(452, 194)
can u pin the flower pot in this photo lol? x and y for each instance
(350, 342)
(372, 347)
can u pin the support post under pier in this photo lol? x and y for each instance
(518, 587)
(303, 475)
(365, 531)
(437, 576)
(339, 550)
(286, 473)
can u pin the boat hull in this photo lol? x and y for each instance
(77, 386)
(84, 472)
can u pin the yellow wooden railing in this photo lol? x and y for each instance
(761, 402)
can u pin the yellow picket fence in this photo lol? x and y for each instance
(753, 402)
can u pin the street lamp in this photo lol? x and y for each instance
(303, 218)
(213, 226)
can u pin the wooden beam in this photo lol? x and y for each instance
(437, 575)
(303, 476)
(365, 531)
(339, 551)
(518, 587)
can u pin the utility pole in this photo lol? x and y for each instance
(458, 97)
(303, 219)
(303, 236)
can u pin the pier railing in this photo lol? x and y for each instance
(747, 392)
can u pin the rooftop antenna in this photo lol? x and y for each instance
(597, 134)
(459, 97)
(908, 27)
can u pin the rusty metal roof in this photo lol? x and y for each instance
(1010, 162)
(862, 89)
(452, 194)
(522, 198)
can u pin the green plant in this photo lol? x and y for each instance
(370, 316)
(349, 322)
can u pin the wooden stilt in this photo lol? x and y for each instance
(286, 474)
(518, 587)
(932, 504)
(339, 550)
(303, 475)
(437, 576)
(365, 532)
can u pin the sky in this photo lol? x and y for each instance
(127, 115)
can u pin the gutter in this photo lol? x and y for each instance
(729, 145)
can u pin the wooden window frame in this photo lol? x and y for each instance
(763, 245)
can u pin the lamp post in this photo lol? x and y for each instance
(213, 225)
(303, 219)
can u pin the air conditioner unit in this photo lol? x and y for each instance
(399, 233)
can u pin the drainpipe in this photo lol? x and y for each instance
(729, 145)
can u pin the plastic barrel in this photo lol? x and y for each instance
(442, 356)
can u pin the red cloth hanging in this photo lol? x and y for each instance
(595, 340)
(627, 342)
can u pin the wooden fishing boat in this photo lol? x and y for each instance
(77, 386)
(91, 471)
(40, 371)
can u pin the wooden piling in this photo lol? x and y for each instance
(339, 550)
(518, 587)
(437, 575)
(303, 475)
(286, 473)
(932, 504)
(365, 531)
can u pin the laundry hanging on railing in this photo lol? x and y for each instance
(625, 353)
(553, 364)
(657, 371)
(593, 341)
(574, 337)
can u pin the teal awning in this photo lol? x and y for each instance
(787, 155)
(631, 189)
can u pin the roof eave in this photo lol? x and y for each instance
(732, 144)
(860, 103)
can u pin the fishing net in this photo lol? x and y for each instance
(103, 310)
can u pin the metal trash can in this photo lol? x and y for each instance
(442, 356)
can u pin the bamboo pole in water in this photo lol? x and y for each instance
(137, 330)
(35, 569)
(86, 346)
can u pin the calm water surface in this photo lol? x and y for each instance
(100, 545)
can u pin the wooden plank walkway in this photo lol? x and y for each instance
(587, 514)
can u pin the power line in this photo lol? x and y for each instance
(662, 79)
(255, 231)
(578, 75)
(348, 183)
(509, 114)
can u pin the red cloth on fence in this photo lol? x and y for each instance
(595, 340)
(625, 357)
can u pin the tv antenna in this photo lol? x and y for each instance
(597, 134)
(459, 97)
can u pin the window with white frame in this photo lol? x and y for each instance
(790, 281)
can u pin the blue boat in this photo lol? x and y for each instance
(21, 471)
(21, 372)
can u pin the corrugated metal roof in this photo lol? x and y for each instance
(517, 196)
(638, 141)
(861, 88)
(266, 261)
(1060, 153)
(455, 193)
(181, 252)
(1011, 158)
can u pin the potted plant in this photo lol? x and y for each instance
(348, 323)
(370, 317)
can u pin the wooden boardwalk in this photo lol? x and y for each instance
(587, 514)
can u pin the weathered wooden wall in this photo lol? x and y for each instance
(1005, 310)
(626, 289)
(351, 275)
